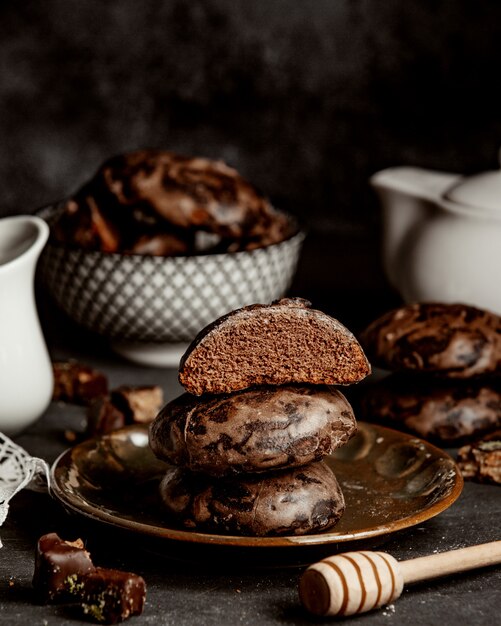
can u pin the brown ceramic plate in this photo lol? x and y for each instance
(390, 480)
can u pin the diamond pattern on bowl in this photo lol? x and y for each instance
(162, 299)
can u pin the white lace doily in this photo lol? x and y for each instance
(18, 470)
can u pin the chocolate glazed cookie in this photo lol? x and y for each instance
(153, 201)
(451, 340)
(293, 502)
(252, 431)
(192, 192)
(448, 412)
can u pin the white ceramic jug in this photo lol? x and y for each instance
(26, 378)
(442, 235)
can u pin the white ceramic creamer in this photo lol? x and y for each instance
(26, 378)
(442, 235)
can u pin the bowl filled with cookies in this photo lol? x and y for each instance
(157, 245)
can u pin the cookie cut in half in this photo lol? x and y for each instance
(276, 344)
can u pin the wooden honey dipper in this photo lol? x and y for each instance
(356, 582)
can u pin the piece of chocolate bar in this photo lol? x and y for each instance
(110, 596)
(140, 405)
(57, 564)
(65, 574)
(77, 383)
(103, 417)
(481, 460)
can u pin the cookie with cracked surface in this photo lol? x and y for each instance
(451, 340)
(255, 430)
(292, 502)
(276, 344)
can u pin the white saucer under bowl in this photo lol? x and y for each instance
(152, 354)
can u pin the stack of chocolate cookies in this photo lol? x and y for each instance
(445, 361)
(260, 413)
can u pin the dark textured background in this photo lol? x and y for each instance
(306, 98)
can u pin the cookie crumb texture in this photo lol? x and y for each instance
(285, 342)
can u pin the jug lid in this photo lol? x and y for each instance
(481, 191)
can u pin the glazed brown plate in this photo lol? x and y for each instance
(390, 480)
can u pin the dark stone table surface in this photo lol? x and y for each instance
(225, 587)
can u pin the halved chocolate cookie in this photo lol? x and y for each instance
(255, 430)
(277, 344)
(293, 502)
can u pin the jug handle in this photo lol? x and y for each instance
(414, 181)
(407, 195)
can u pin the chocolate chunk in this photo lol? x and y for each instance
(451, 340)
(481, 460)
(140, 405)
(77, 383)
(57, 562)
(103, 417)
(64, 573)
(255, 430)
(285, 342)
(109, 596)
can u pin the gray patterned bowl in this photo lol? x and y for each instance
(161, 300)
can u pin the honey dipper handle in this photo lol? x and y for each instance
(445, 563)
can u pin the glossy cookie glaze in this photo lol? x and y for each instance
(440, 410)
(451, 340)
(256, 430)
(390, 481)
(165, 197)
(293, 502)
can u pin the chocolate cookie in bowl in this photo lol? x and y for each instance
(157, 194)
(445, 360)
(260, 413)
(156, 245)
